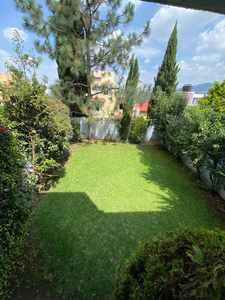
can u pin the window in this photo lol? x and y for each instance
(109, 91)
(97, 78)
(194, 101)
(142, 114)
(99, 108)
(121, 106)
(98, 89)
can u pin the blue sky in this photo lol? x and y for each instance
(201, 41)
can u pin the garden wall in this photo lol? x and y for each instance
(204, 172)
(103, 128)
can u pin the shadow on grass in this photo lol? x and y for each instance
(174, 177)
(82, 245)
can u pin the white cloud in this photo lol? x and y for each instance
(189, 21)
(143, 71)
(3, 53)
(8, 33)
(156, 67)
(184, 66)
(207, 57)
(218, 65)
(147, 61)
(212, 40)
(147, 52)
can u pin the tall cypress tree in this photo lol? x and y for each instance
(129, 100)
(166, 78)
(101, 46)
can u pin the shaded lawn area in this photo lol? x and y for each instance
(112, 197)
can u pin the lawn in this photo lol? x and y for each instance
(111, 198)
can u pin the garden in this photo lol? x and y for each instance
(111, 197)
(105, 219)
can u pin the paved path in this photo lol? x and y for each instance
(150, 142)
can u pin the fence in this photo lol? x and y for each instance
(103, 128)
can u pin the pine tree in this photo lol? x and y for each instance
(102, 44)
(130, 97)
(166, 78)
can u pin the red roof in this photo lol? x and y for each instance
(8, 86)
(143, 106)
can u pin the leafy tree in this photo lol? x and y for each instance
(166, 113)
(215, 98)
(101, 44)
(166, 78)
(16, 202)
(130, 97)
(41, 124)
(139, 129)
(204, 142)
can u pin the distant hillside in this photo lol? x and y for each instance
(200, 88)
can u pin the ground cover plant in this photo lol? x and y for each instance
(112, 197)
(187, 263)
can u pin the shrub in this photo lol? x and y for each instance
(139, 129)
(188, 263)
(16, 202)
(76, 130)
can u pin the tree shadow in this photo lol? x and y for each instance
(175, 179)
(82, 245)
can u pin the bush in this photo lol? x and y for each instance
(188, 263)
(16, 202)
(76, 130)
(139, 129)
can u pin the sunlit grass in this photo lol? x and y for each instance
(112, 197)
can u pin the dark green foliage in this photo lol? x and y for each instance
(188, 263)
(166, 78)
(76, 130)
(203, 138)
(166, 114)
(41, 124)
(130, 97)
(16, 202)
(139, 129)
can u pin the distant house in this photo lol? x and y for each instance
(192, 96)
(5, 79)
(141, 109)
(104, 98)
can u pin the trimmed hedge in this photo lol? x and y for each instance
(188, 263)
(16, 202)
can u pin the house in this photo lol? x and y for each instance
(192, 96)
(103, 91)
(141, 109)
(5, 78)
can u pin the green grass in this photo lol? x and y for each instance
(112, 197)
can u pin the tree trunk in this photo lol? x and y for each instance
(90, 131)
(90, 125)
(33, 152)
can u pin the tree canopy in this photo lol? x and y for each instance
(88, 37)
(215, 98)
(166, 77)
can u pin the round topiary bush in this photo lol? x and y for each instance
(188, 263)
